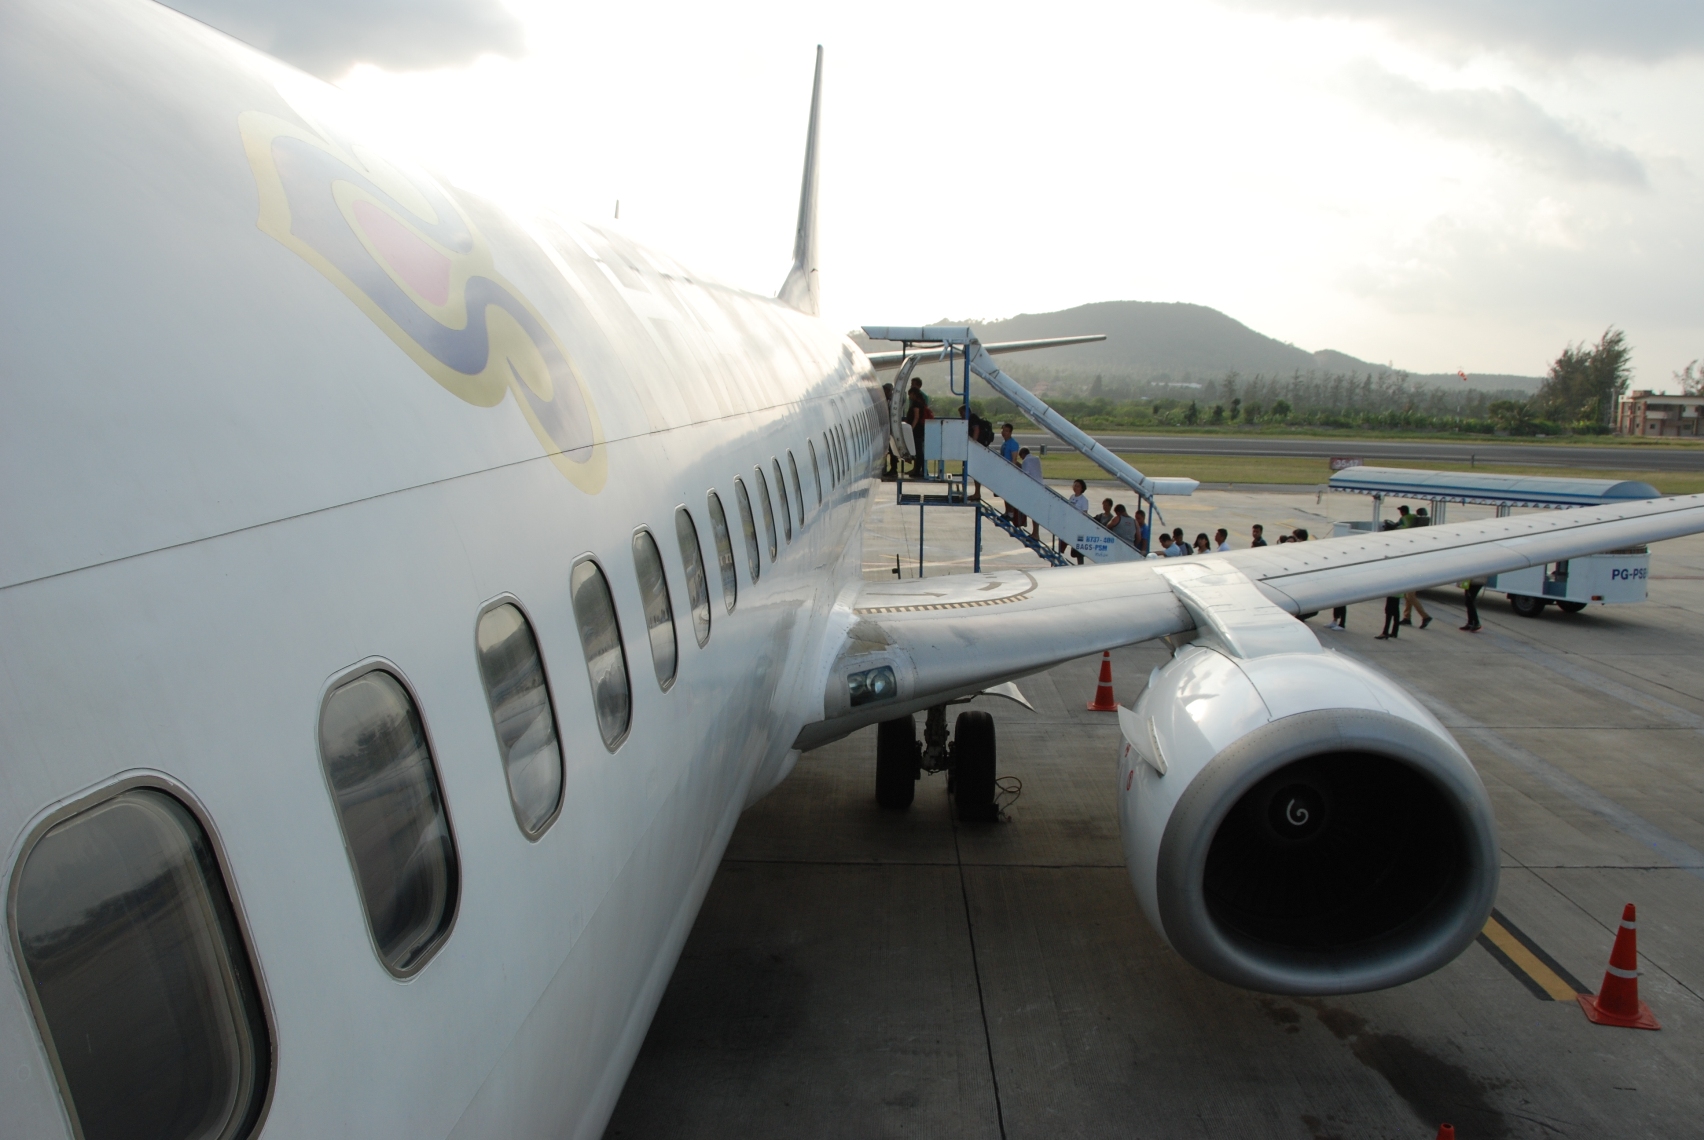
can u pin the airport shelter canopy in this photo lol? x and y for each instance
(1484, 487)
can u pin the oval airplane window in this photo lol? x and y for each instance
(606, 660)
(742, 500)
(816, 472)
(385, 787)
(659, 613)
(828, 455)
(692, 562)
(786, 503)
(798, 491)
(519, 696)
(139, 974)
(768, 506)
(724, 552)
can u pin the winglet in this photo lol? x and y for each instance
(800, 288)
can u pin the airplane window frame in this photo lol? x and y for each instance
(612, 742)
(816, 472)
(532, 835)
(726, 566)
(235, 936)
(768, 505)
(798, 488)
(786, 504)
(656, 619)
(748, 525)
(427, 950)
(697, 584)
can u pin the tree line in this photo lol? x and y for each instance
(1580, 395)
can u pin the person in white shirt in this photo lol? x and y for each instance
(1031, 466)
(1030, 462)
(1221, 540)
(1080, 500)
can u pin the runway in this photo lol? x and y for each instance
(1623, 457)
(858, 972)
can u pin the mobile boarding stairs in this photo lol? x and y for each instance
(947, 443)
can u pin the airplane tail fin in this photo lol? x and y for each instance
(800, 288)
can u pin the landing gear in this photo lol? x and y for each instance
(896, 762)
(1526, 605)
(1570, 607)
(968, 761)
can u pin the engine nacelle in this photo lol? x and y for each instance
(1314, 831)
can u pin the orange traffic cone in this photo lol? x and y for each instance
(1617, 1003)
(1104, 700)
(1445, 1132)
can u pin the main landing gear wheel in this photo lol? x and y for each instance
(1570, 607)
(896, 762)
(1525, 605)
(973, 766)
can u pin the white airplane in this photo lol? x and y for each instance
(400, 601)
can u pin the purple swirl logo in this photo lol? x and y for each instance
(398, 245)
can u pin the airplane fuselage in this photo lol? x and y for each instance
(243, 484)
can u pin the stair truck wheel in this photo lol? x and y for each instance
(1570, 607)
(1526, 605)
(896, 762)
(973, 766)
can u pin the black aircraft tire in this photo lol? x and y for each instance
(1526, 606)
(973, 766)
(896, 762)
(1570, 607)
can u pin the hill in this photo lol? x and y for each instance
(1151, 344)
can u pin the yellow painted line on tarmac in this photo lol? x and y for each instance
(1538, 971)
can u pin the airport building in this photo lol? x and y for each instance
(1656, 413)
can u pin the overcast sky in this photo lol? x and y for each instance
(1441, 184)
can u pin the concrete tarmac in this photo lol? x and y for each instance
(858, 972)
(1394, 452)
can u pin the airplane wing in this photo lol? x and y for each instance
(942, 638)
(1293, 822)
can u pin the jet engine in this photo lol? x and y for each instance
(1294, 823)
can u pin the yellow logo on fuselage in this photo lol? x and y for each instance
(398, 245)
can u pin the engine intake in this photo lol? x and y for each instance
(1337, 848)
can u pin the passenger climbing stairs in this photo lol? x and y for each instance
(947, 445)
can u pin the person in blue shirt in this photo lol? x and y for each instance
(1008, 445)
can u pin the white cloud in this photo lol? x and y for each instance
(1556, 29)
(1503, 119)
(1480, 214)
(328, 37)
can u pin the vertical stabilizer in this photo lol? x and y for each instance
(800, 288)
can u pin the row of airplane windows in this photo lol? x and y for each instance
(122, 918)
